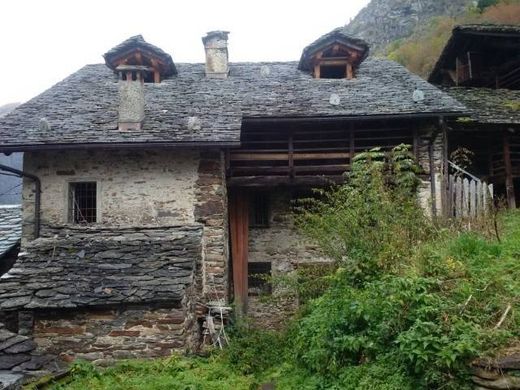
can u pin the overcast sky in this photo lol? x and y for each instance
(43, 41)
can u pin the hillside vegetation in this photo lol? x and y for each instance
(409, 304)
(420, 51)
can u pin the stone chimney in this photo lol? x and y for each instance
(215, 44)
(131, 96)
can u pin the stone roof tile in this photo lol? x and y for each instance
(83, 108)
(10, 227)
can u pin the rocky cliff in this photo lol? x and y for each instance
(384, 21)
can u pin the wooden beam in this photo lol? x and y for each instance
(510, 189)
(284, 156)
(317, 71)
(433, 184)
(416, 143)
(351, 143)
(273, 181)
(291, 155)
(239, 232)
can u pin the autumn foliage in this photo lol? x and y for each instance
(420, 51)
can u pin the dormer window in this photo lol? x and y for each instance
(334, 56)
(137, 59)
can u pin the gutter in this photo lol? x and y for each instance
(37, 199)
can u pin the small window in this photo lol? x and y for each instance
(259, 210)
(333, 71)
(258, 278)
(82, 202)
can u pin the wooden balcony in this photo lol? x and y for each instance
(305, 155)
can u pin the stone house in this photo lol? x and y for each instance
(154, 190)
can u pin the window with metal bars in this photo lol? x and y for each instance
(82, 202)
(259, 210)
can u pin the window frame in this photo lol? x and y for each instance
(69, 193)
(253, 205)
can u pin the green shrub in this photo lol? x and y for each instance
(252, 350)
(369, 224)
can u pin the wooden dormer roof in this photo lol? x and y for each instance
(136, 51)
(480, 55)
(336, 44)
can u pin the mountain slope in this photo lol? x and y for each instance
(384, 21)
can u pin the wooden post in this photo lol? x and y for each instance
(444, 167)
(416, 144)
(317, 71)
(239, 231)
(291, 155)
(352, 145)
(465, 197)
(510, 189)
(350, 71)
(432, 179)
(473, 198)
(458, 197)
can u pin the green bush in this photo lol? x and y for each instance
(369, 224)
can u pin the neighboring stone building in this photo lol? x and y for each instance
(162, 184)
(10, 235)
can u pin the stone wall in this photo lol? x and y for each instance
(425, 189)
(282, 246)
(135, 187)
(103, 335)
(499, 373)
(211, 211)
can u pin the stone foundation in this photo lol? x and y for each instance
(104, 335)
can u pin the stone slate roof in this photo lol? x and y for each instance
(500, 106)
(190, 108)
(10, 227)
(339, 35)
(89, 267)
(460, 35)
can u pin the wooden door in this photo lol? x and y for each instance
(239, 233)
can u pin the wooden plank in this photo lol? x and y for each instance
(433, 185)
(485, 198)
(415, 143)
(473, 198)
(451, 193)
(510, 189)
(239, 232)
(291, 156)
(465, 198)
(480, 200)
(260, 170)
(458, 197)
(273, 181)
(445, 165)
(237, 156)
(322, 168)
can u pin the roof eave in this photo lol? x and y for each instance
(118, 145)
(421, 115)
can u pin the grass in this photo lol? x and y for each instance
(174, 373)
